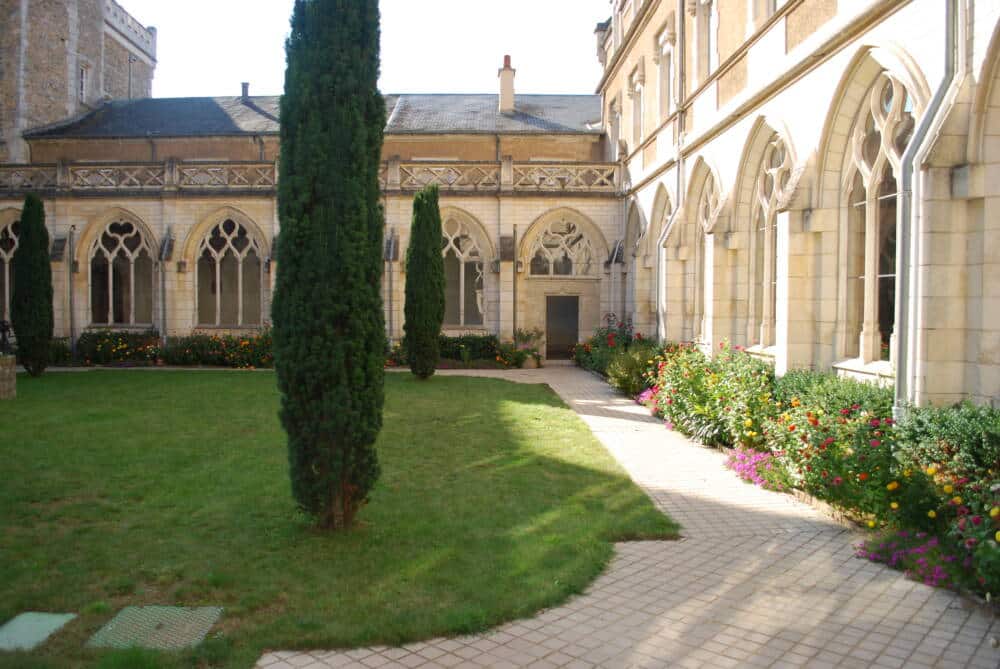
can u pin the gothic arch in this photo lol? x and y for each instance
(868, 64)
(478, 230)
(189, 252)
(587, 226)
(97, 225)
(663, 211)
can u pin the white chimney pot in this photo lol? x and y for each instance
(506, 75)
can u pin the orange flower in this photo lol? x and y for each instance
(863, 476)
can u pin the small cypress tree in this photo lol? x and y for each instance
(329, 335)
(31, 303)
(424, 307)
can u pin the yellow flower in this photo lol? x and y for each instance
(894, 505)
(892, 485)
(994, 512)
(871, 523)
(849, 451)
(948, 489)
(932, 514)
(956, 500)
(932, 470)
(748, 423)
(997, 536)
(907, 473)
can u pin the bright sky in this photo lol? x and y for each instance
(207, 47)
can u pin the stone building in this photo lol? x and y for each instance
(816, 180)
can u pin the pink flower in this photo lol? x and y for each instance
(837, 480)
(875, 422)
(874, 443)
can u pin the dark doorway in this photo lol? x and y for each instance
(562, 326)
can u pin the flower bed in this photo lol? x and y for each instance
(930, 485)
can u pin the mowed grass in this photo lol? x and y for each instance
(142, 487)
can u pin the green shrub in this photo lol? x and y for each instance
(31, 301)
(831, 393)
(509, 355)
(104, 347)
(329, 328)
(962, 441)
(244, 351)
(425, 302)
(627, 369)
(60, 353)
(478, 347)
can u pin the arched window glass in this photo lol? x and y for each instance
(230, 277)
(463, 271)
(8, 244)
(772, 182)
(880, 137)
(121, 277)
(708, 213)
(562, 249)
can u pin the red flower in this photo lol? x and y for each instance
(791, 428)
(845, 412)
(863, 476)
(874, 443)
(875, 422)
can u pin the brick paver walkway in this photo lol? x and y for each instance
(758, 579)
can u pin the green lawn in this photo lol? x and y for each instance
(144, 487)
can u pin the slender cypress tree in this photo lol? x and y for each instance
(31, 303)
(329, 336)
(424, 307)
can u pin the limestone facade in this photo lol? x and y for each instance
(809, 179)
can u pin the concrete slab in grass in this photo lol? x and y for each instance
(157, 627)
(30, 630)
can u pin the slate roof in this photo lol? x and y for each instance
(406, 114)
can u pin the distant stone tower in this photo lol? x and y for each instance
(61, 58)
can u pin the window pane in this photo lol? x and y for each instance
(539, 264)
(122, 289)
(206, 290)
(143, 288)
(563, 266)
(251, 289)
(473, 293)
(772, 290)
(855, 266)
(887, 261)
(758, 278)
(229, 290)
(99, 289)
(452, 296)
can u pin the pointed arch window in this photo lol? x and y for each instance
(772, 184)
(880, 137)
(562, 249)
(230, 277)
(708, 212)
(464, 275)
(121, 276)
(8, 244)
(664, 60)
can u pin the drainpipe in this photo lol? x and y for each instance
(69, 287)
(164, 253)
(909, 220)
(514, 283)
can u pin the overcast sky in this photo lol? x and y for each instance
(207, 47)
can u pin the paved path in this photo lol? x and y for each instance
(758, 580)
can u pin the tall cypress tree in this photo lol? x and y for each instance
(329, 336)
(31, 303)
(424, 307)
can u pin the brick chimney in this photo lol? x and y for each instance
(506, 75)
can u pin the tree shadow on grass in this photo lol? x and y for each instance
(130, 488)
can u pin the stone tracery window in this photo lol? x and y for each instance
(772, 184)
(8, 244)
(562, 249)
(121, 276)
(464, 275)
(709, 206)
(230, 277)
(880, 137)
